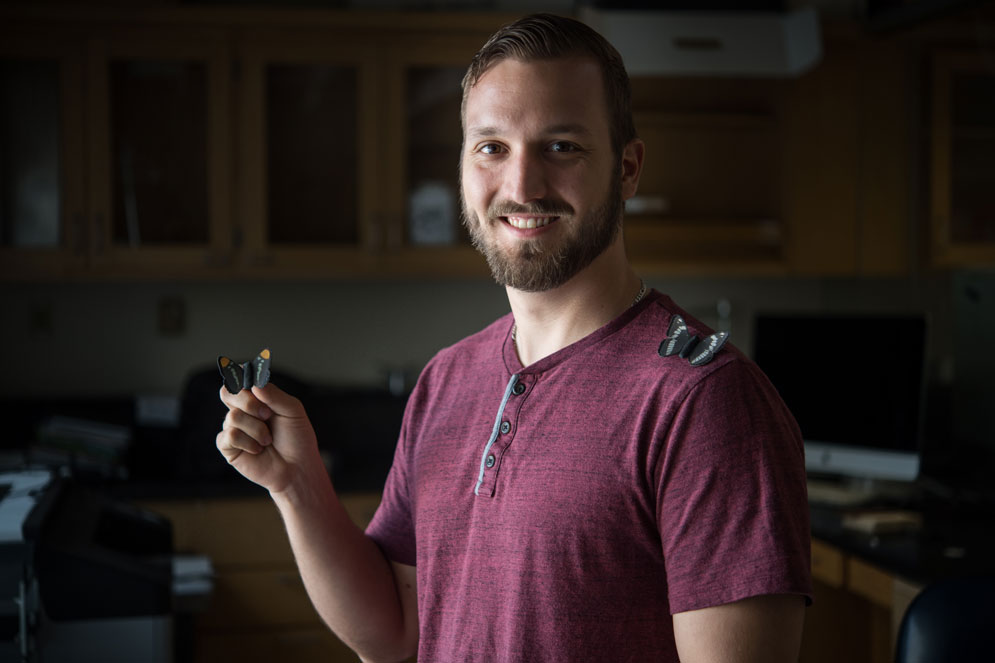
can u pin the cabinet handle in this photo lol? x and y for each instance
(218, 258)
(79, 234)
(394, 232)
(374, 238)
(263, 259)
(98, 235)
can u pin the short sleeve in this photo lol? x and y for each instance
(392, 527)
(731, 495)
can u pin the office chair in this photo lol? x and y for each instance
(950, 620)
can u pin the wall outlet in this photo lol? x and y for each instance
(172, 316)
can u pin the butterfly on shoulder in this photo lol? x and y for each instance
(681, 342)
(243, 376)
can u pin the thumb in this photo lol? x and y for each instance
(278, 401)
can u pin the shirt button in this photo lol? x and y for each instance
(519, 388)
(505, 427)
(490, 460)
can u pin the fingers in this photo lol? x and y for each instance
(232, 443)
(243, 432)
(257, 429)
(278, 401)
(244, 427)
(245, 401)
(253, 416)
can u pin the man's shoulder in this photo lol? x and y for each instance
(663, 327)
(483, 345)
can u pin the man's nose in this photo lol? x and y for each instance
(525, 177)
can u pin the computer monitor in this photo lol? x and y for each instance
(855, 384)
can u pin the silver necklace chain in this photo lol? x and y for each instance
(639, 296)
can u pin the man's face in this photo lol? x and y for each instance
(540, 185)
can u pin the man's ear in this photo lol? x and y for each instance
(632, 167)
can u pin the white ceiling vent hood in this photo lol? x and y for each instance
(712, 43)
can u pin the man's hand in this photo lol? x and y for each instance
(268, 438)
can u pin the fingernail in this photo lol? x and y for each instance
(264, 412)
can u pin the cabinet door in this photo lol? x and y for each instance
(158, 150)
(42, 184)
(259, 609)
(307, 150)
(963, 165)
(709, 194)
(423, 141)
(709, 198)
(821, 193)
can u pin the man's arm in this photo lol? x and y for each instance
(762, 629)
(365, 599)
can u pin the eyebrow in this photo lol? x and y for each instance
(477, 132)
(579, 129)
(575, 129)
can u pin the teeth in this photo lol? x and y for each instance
(529, 222)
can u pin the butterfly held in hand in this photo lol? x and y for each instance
(242, 376)
(681, 342)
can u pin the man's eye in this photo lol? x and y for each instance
(562, 146)
(490, 148)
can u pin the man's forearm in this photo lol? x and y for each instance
(347, 577)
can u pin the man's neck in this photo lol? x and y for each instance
(546, 322)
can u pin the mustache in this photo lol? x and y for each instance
(539, 207)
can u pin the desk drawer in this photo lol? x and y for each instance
(827, 565)
(249, 598)
(870, 582)
(306, 645)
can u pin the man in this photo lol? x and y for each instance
(560, 491)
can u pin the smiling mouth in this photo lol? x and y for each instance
(529, 222)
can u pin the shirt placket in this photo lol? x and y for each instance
(502, 434)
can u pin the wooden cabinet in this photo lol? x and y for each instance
(237, 143)
(856, 612)
(849, 165)
(259, 610)
(962, 179)
(808, 176)
(422, 116)
(134, 165)
(709, 196)
(190, 143)
(159, 194)
(308, 150)
(43, 227)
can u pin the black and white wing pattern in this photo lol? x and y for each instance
(680, 342)
(705, 350)
(260, 369)
(243, 376)
(232, 374)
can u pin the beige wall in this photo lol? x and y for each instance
(103, 338)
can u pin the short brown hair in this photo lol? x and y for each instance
(547, 37)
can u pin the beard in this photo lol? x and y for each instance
(539, 264)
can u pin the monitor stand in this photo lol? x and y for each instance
(846, 492)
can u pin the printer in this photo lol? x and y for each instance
(82, 577)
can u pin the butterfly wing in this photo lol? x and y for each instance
(231, 373)
(706, 349)
(260, 368)
(677, 337)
